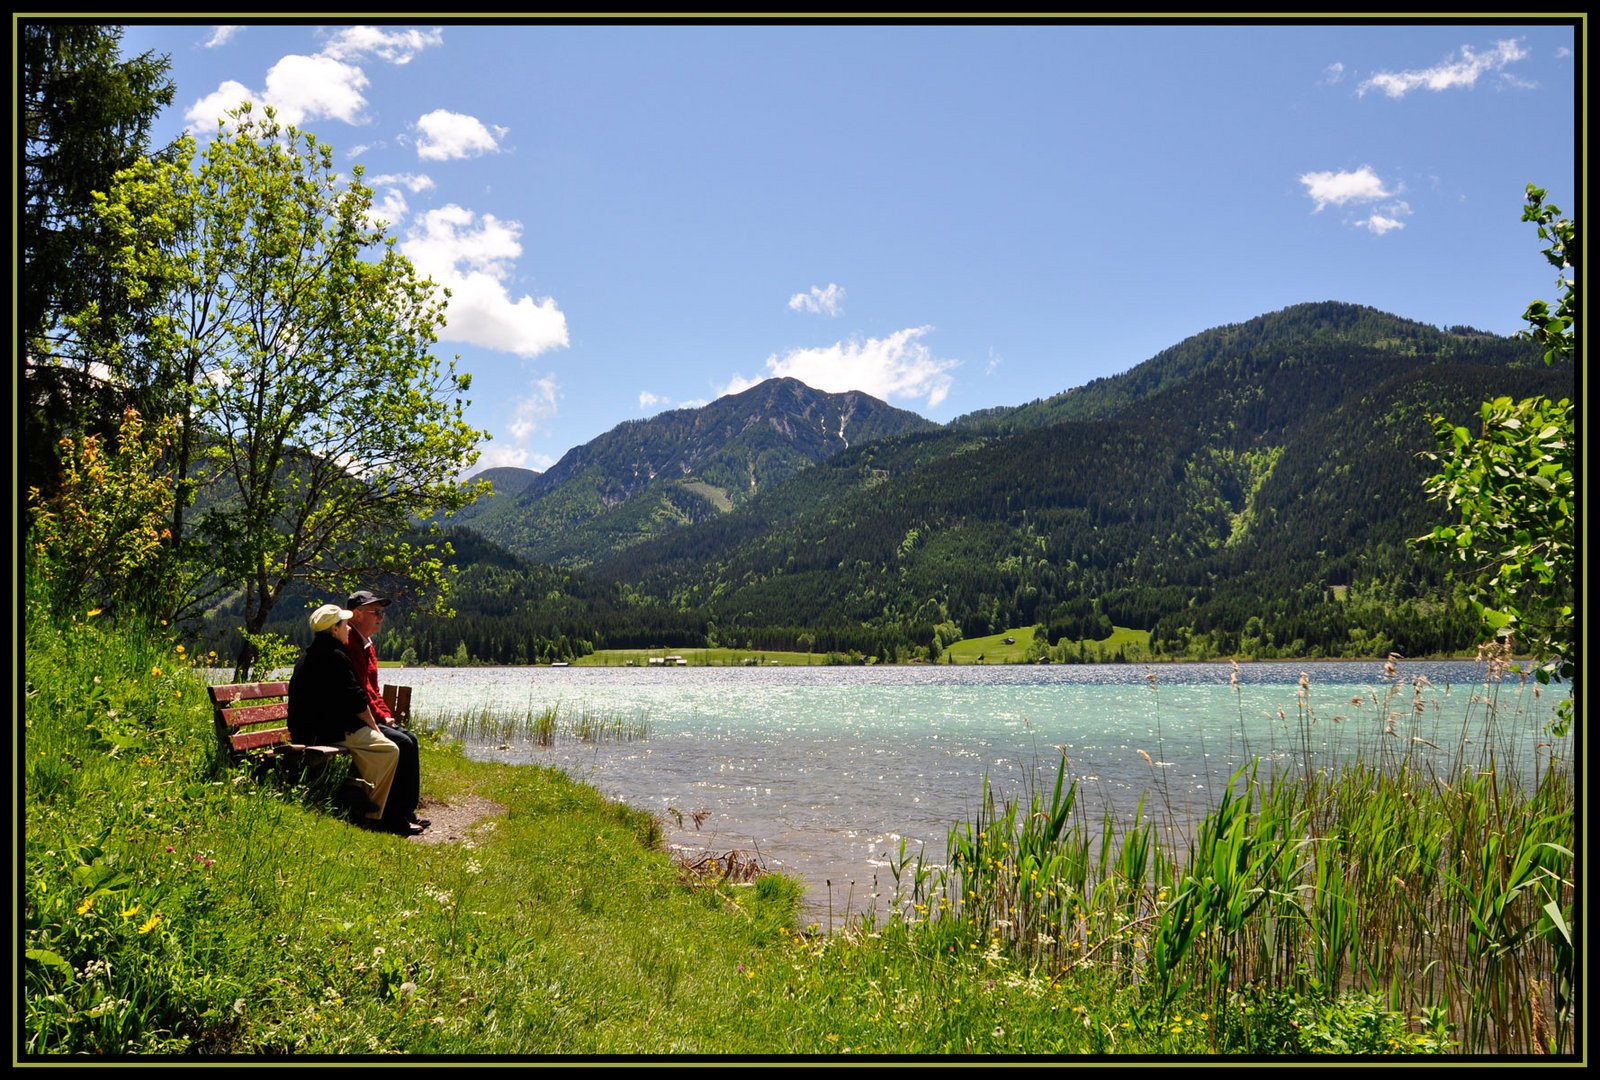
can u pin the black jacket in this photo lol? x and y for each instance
(325, 700)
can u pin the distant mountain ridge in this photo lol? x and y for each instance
(645, 478)
(1256, 470)
(1252, 490)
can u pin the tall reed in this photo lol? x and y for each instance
(1427, 879)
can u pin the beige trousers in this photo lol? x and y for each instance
(376, 761)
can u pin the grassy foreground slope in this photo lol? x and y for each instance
(175, 903)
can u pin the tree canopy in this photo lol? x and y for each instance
(293, 345)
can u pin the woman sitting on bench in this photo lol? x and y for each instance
(328, 706)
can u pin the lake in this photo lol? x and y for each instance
(821, 771)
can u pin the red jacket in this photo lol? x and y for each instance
(364, 658)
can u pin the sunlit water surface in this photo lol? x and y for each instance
(821, 771)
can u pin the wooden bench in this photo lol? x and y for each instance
(255, 716)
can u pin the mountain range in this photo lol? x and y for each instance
(1253, 489)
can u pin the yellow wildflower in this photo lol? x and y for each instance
(151, 923)
(155, 671)
(128, 913)
(88, 903)
(92, 612)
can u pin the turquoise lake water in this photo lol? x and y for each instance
(821, 771)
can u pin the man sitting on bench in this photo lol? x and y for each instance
(365, 621)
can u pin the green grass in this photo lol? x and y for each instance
(173, 902)
(1132, 644)
(991, 649)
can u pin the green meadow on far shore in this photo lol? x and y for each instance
(1014, 646)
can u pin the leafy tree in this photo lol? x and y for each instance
(1512, 485)
(293, 344)
(86, 114)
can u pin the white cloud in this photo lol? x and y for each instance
(1338, 188)
(472, 257)
(897, 366)
(1385, 218)
(300, 88)
(818, 301)
(313, 87)
(395, 46)
(995, 360)
(445, 135)
(303, 88)
(221, 35)
(224, 99)
(416, 183)
(1461, 71)
(1333, 74)
(647, 400)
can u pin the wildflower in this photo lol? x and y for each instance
(155, 672)
(170, 848)
(179, 649)
(92, 612)
(128, 913)
(87, 905)
(151, 923)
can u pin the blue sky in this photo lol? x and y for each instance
(638, 218)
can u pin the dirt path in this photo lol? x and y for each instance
(454, 821)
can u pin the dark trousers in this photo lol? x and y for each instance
(407, 787)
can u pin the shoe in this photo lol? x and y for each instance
(401, 828)
(420, 822)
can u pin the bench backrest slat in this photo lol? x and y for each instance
(245, 715)
(251, 740)
(248, 691)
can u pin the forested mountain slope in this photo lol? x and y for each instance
(1269, 472)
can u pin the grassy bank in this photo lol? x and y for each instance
(174, 902)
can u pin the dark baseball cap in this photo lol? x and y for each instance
(361, 598)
